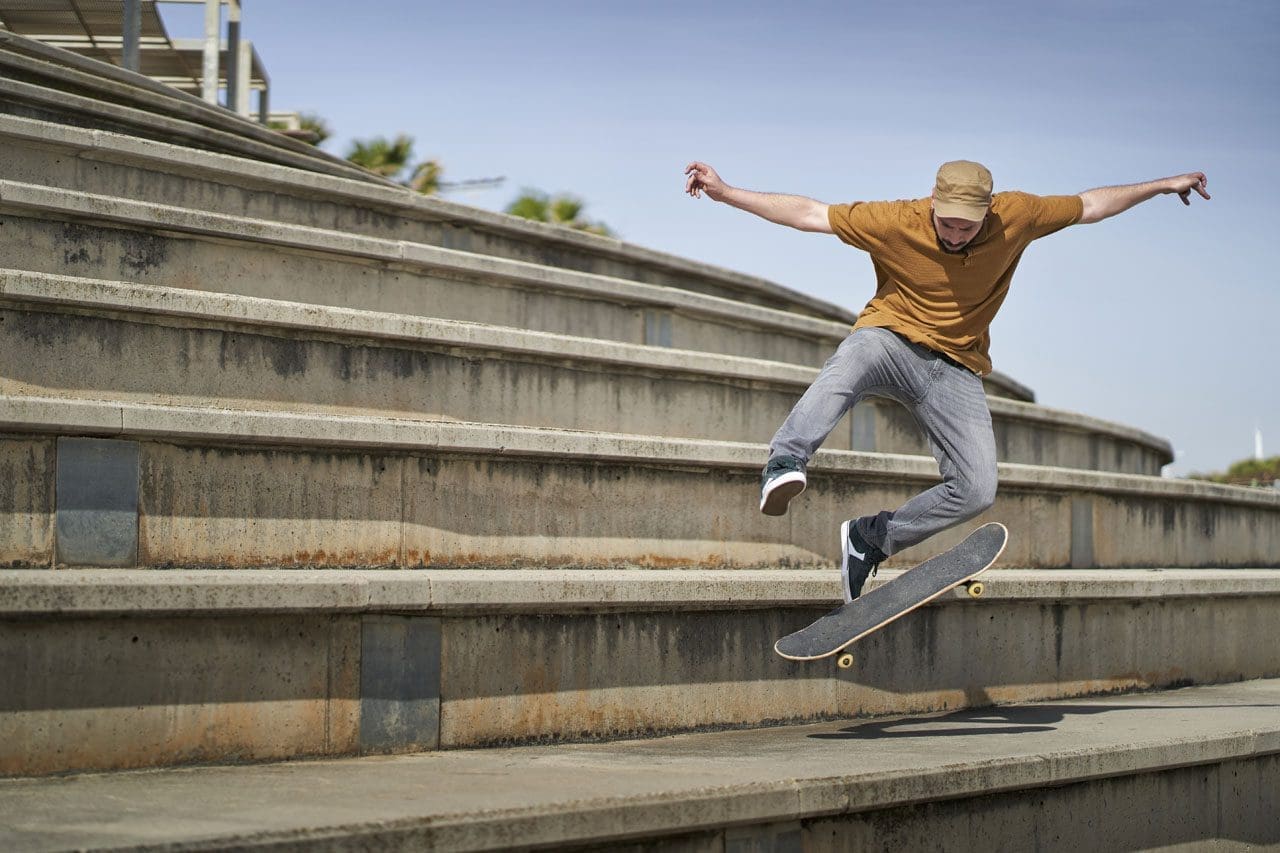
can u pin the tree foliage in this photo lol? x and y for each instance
(426, 177)
(317, 126)
(1247, 472)
(382, 156)
(311, 129)
(561, 209)
(393, 158)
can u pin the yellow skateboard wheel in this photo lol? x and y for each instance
(845, 660)
(975, 589)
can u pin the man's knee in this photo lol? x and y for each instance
(976, 494)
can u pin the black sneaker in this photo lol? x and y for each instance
(860, 560)
(782, 480)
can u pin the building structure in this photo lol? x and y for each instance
(221, 68)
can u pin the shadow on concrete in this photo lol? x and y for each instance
(991, 721)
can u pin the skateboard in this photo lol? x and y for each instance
(915, 587)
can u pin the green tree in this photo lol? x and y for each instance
(316, 126)
(426, 177)
(561, 209)
(311, 129)
(381, 156)
(1247, 472)
(393, 159)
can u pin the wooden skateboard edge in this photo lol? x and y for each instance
(894, 618)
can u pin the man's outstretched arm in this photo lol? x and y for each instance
(795, 211)
(1106, 202)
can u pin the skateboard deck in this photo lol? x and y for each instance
(915, 587)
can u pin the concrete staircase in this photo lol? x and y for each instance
(58, 87)
(291, 383)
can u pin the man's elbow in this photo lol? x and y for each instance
(816, 220)
(1092, 210)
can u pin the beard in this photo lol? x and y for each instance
(958, 250)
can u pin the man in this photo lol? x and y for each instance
(943, 265)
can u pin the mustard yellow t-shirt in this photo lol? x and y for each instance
(946, 301)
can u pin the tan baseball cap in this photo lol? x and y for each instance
(963, 191)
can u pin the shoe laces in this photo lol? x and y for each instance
(781, 463)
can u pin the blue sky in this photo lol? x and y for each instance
(1165, 318)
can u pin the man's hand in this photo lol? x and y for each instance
(704, 179)
(1184, 184)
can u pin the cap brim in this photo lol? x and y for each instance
(960, 210)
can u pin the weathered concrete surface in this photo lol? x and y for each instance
(168, 246)
(116, 164)
(136, 693)
(27, 508)
(380, 491)
(233, 664)
(448, 371)
(615, 675)
(280, 507)
(169, 345)
(1191, 767)
(84, 593)
(1228, 806)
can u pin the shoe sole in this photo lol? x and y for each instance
(844, 561)
(781, 491)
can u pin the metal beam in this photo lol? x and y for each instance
(132, 57)
(237, 94)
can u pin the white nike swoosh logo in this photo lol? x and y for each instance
(855, 552)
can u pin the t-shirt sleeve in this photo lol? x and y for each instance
(863, 224)
(1050, 213)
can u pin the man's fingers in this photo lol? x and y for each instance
(1201, 186)
(1198, 182)
(695, 184)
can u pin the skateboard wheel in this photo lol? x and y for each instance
(975, 589)
(844, 661)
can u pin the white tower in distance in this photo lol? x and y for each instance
(1257, 443)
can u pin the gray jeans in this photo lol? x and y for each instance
(947, 400)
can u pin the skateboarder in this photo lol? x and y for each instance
(943, 264)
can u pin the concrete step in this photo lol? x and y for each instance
(65, 232)
(110, 669)
(64, 336)
(1181, 769)
(56, 87)
(119, 165)
(192, 486)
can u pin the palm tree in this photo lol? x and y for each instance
(311, 128)
(426, 177)
(316, 126)
(386, 158)
(562, 209)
